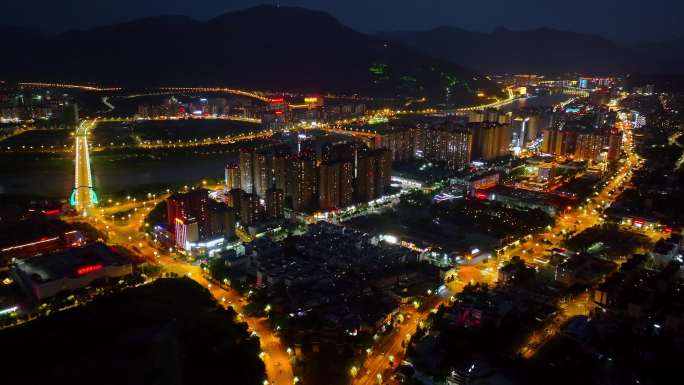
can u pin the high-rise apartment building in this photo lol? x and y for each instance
(247, 170)
(589, 145)
(364, 184)
(448, 144)
(346, 186)
(275, 200)
(374, 175)
(232, 178)
(614, 145)
(399, 141)
(250, 209)
(490, 140)
(234, 198)
(383, 173)
(302, 177)
(261, 174)
(221, 220)
(279, 164)
(329, 186)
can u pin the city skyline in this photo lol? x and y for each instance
(275, 197)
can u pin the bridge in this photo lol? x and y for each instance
(249, 94)
(83, 196)
(511, 97)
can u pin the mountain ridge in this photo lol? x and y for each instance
(263, 47)
(543, 50)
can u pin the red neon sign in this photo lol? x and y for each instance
(480, 195)
(51, 212)
(88, 269)
(278, 100)
(279, 112)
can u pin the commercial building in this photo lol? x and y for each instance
(192, 204)
(27, 238)
(186, 232)
(472, 182)
(194, 217)
(523, 199)
(48, 275)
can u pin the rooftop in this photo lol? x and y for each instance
(69, 263)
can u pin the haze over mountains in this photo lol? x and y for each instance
(543, 50)
(294, 49)
(270, 48)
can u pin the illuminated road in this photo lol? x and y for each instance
(127, 233)
(110, 106)
(378, 359)
(586, 215)
(249, 94)
(589, 214)
(276, 357)
(84, 197)
(81, 87)
(496, 104)
(533, 251)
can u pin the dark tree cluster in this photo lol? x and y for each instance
(168, 332)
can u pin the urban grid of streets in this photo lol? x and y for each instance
(389, 349)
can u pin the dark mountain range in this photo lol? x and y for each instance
(543, 50)
(270, 48)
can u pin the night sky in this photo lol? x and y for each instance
(625, 20)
